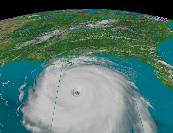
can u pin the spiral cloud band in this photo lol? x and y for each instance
(83, 96)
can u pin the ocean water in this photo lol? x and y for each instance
(91, 11)
(165, 49)
(24, 73)
(160, 97)
(21, 74)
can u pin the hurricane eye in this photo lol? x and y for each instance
(76, 92)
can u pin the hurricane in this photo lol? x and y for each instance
(83, 95)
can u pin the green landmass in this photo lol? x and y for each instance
(47, 35)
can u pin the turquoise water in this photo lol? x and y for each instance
(171, 24)
(165, 49)
(91, 11)
(27, 72)
(12, 76)
(163, 99)
(160, 97)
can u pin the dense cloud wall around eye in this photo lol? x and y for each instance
(85, 97)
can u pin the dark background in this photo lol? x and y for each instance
(13, 8)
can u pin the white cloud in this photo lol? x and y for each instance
(106, 101)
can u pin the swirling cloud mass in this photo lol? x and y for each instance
(84, 96)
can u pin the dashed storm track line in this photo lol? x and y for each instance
(95, 110)
(139, 116)
(56, 96)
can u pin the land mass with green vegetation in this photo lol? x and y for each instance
(46, 35)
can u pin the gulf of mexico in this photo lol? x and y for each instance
(27, 72)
